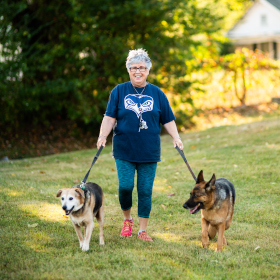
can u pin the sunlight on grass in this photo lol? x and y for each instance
(159, 189)
(217, 120)
(160, 181)
(45, 211)
(13, 192)
(272, 146)
(169, 237)
(35, 242)
(213, 246)
(176, 238)
(197, 243)
(159, 185)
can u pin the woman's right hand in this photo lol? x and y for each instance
(105, 129)
(101, 141)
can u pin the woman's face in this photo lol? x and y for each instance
(138, 79)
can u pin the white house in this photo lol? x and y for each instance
(259, 28)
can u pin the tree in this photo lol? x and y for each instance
(242, 63)
(60, 59)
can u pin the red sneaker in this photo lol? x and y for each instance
(144, 236)
(127, 228)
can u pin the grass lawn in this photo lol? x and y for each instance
(39, 242)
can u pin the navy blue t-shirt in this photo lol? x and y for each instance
(129, 108)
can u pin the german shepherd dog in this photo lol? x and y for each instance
(82, 205)
(216, 200)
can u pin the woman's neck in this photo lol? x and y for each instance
(139, 85)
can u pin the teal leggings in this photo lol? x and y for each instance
(145, 178)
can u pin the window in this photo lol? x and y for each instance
(275, 50)
(265, 47)
(263, 20)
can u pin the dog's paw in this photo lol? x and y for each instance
(205, 245)
(81, 244)
(85, 247)
(101, 240)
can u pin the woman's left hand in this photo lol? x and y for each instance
(171, 128)
(178, 142)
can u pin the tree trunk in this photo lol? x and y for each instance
(244, 88)
(242, 98)
(235, 85)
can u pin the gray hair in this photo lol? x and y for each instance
(136, 56)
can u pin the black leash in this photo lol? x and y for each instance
(93, 162)
(185, 160)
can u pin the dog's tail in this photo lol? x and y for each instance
(212, 232)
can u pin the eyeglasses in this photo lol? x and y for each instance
(141, 69)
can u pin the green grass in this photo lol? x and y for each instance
(38, 242)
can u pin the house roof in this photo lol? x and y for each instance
(260, 23)
(275, 3)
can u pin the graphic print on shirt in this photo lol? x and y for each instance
(138, 103)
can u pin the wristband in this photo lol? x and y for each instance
(177, 137)
(102, 136)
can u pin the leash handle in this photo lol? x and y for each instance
(185, 160)
(93, 162)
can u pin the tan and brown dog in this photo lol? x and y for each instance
(82, 205)
(216, 200)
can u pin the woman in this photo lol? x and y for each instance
(135, 110)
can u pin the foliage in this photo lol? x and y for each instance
(244, 62)
(38, 242)
(60, 59)
(241, 65)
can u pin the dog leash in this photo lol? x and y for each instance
(185, 160)
(93, 162)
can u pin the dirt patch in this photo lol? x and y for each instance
(57, 138)
(234, 115)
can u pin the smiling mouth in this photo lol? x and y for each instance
(195, 209)
(67, 212)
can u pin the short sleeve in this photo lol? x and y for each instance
(166, 115)
(112, 106)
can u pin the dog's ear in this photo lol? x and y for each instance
(200, 177)
(80, 192)
(211, 184)
(59, 192)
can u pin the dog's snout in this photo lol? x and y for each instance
(185, 206)
(64, 207)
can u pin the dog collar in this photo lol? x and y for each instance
(82, 186)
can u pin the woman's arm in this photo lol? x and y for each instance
(105, 129)
(171, 128)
